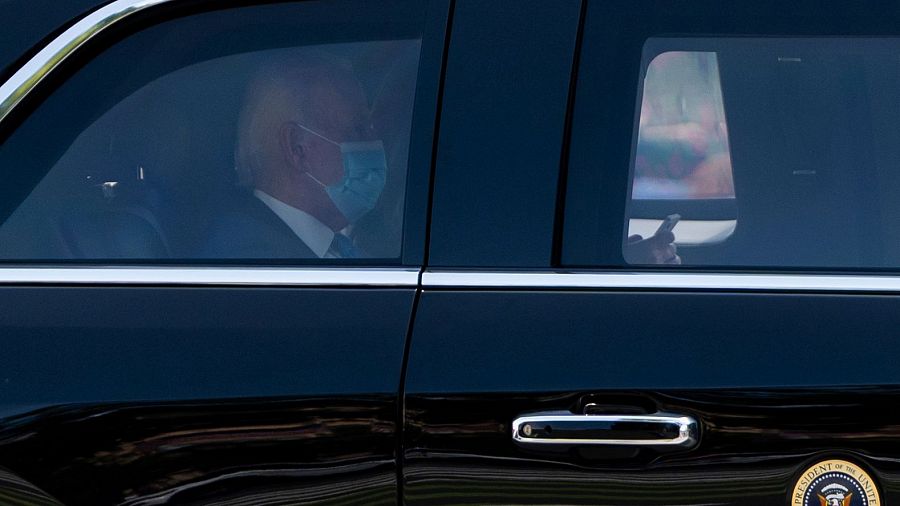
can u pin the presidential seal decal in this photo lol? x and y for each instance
(835, 483)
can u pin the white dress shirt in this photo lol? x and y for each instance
(315, 234)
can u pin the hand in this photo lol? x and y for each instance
(658, 249)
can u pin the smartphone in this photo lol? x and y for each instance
(668, 224)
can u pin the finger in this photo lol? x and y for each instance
(634, 238)
(664, 237)
(663, 253)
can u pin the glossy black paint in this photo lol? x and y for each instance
(502, 123)
(480, 359)
(14, 489)
(532, 341)
(753, 445)
(316, 450)
(73, 355)
(95, 345)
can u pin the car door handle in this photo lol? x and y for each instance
(564, 428)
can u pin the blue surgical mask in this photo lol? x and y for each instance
(365, 169)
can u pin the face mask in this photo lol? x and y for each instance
(365, 167)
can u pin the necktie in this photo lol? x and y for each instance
(343, 246)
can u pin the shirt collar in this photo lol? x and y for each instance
(311, 231)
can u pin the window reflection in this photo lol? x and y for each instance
(682, 149)
(296, 153)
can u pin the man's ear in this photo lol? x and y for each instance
(290, 141)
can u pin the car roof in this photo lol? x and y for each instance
(31, 22)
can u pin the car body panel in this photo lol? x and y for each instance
(213, 383)
(754, 444)
(780, 370)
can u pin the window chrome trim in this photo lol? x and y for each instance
(50, 56)
(212, 276)
(661, 281)
(409, 277)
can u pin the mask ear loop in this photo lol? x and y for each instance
(316, 180)
(317, 134)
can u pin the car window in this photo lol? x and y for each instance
(763, 152)
(806, 137)
(682, 148)
(274, 133)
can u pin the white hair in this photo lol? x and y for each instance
(280, 91)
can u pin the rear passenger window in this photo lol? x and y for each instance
(682, 147)
(275, 133)
(806, 159)
(753, 152)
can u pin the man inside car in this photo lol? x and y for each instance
(307, 150)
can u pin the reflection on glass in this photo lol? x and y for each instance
(682, 149)
(187, 166)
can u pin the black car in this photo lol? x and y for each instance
(340, 252)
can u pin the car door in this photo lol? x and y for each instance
(171, 332)
(754, 364)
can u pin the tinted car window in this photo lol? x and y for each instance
(825, 113)
(286, 139)
(757, 152)
(808, 137)
(682, 148)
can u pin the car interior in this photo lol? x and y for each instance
(147, 177)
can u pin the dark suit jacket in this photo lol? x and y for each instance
(247, 228)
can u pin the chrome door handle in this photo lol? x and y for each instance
(564, 428)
